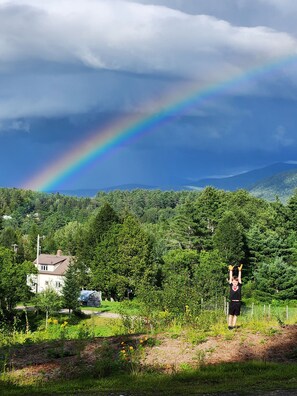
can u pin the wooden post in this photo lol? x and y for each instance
(287, 312)
(252, 313)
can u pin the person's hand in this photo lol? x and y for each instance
(230, 267)
(240, 267)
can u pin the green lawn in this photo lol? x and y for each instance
(246, 378)
(123, 307)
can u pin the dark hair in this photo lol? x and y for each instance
(235, 278)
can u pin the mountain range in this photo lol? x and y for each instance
(278, 179)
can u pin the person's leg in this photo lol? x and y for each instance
(234, 318)
(236, 313)
(230, 321)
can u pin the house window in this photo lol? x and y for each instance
(58, 284)
(44, 267)
(46, 283)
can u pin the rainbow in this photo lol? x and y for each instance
(125, 129)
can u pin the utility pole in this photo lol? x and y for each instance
(38, 250)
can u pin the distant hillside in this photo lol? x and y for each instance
(248, 179)
(282, 185)
(84, 193)
(277, 179)
(129, 187)
(92, 192)
(122, 187)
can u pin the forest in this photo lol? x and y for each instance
(170, 249)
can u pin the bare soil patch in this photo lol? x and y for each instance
(243, 346)
(168, 355)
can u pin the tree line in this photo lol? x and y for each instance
(169, 248)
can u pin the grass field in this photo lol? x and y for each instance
(246, 378)
(107, 374)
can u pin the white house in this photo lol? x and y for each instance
(51, 272)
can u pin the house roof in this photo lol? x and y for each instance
(60, 263)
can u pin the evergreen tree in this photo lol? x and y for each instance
(265, 243)
(101, 223)
(95, 232)
(181, 233)
(292, 211)
(229, 239)
(123, 259)
(276, 279)
(71, 289)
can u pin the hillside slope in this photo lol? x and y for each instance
(281, 185)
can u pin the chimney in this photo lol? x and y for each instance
(59, 252)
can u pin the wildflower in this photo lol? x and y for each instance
(55, 321)
(50, 320)
(131, 348)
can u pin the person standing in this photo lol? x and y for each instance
(235, 296)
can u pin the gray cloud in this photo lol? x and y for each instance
(65, 57)
(276, 14)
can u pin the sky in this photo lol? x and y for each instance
(70, 69)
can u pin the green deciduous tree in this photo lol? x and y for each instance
(210, 276)
(48, 301)
(176, 261)
(13, 280)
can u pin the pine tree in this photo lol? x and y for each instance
(275, 279)
(71, 289)
(229, 239)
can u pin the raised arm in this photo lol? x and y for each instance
(239, 273)
(230, 273)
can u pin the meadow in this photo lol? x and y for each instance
(137, 354)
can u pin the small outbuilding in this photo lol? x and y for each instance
(90, 298)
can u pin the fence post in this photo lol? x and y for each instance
(252, 313)
(225, 305)
(264, 310)
(287, 312)
(269, 311)
(227, 310)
